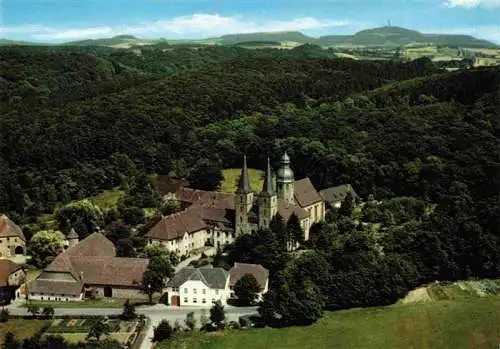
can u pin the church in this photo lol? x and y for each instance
(217, 218)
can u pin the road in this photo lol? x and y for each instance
(155, 313)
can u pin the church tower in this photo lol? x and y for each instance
(243, 202)
(267, 200)
(285, 180)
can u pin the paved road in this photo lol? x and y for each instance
(155, 313)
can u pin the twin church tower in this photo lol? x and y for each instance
(251, 214)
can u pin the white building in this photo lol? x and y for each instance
(199, 287)
(260, 274)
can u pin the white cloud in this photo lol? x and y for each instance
(198, 25)
(473, 3)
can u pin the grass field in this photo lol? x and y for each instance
(232, 175)
(444, 324)
(107, 199)
(20, 328)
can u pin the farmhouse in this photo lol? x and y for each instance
(12, 240)
(90, 268)
(260, 274)
(334, 196)
(199, 287)
(12, 276)
(217, 218)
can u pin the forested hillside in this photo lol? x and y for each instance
(71, 130)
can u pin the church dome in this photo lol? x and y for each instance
(285, 173)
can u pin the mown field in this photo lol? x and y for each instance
(232, 175)
(444, 324)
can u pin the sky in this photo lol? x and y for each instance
(56, 21)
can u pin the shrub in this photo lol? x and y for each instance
(4, 315)
(163, 331)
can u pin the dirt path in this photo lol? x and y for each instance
(416, 296)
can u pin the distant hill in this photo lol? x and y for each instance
(274, 36)
(396, 36)
(376, 37)
(115, 41)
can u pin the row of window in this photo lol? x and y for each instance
(195, 291)
(195, 300)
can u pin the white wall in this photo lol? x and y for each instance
(187, 298)
(185, 244)
(54, 297)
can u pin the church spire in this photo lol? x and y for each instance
(244, 184)
(267, 187)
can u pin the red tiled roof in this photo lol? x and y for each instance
(260, 273)
(7, 267)
(305, 193)
(95, 244)
(114, 271)
(56, 287)
(286, 209)
(214, 199)
(9, 228)
(94, 259)
(176, 225)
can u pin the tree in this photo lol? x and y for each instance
(128, 311)
(33, 309)
(161, 251)
(4, 315)
(141, 193)
(163, 331)
(154, 277)
(246, 289)
(48, 312)
(98, 327)
(190, 320)
(294, 232)
(10, 341)
(169, 206)
(83, 216)
(217, 314)
(44, 246)
(347, 206)
(206, 175)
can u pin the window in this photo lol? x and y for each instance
(216, 291)
(185, 299)
(195, 300)
(194, 290)
(175, 289)
(204, 291)
(203, 300)
(185, 290)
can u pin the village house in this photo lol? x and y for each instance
(334, 196)
(12, 240)
(216, 218)
(260, 274)
(12, 276)
(89, 269)
(199, 287)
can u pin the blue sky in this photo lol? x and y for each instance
(65, 20)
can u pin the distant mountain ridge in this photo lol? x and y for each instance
(382, 36)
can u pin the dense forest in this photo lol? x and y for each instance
(75, 123)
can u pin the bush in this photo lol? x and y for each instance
(164, 299)
(244, 321)
(163, 331)
(233, 325)
(4, 315)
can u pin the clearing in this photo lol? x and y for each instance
(232, 175)
(444, 324)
